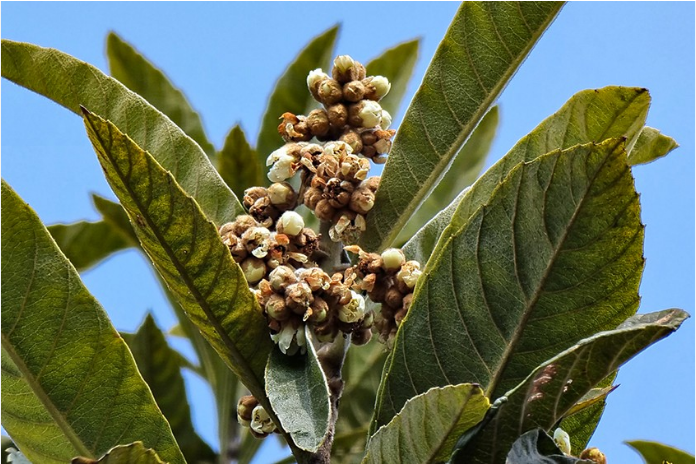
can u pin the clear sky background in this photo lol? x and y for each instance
(226, 58)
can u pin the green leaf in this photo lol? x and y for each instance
(484, 46)
(187, 252)
(290, 92)
(657, 453)
(428, 426)
(135, 72)
(536, 447)
(554, 257)
(556, 385)
(651, 145)
(85, 244)
(298, 391)
(71, 83)
(135, 453)
(465, 169)
(114, 214)
(160, 367)
(591, 398)
(69, 383)
(237, 163)
(589, 116)
(396, 64)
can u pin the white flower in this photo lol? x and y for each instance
(16, 457)
(283, 168)
(338, 149)
(290, 223)
(392, 259)
(343, 63)
(370, 114)
(562, 440)
(290, 340)
(381, 85)
(409, 273)
(353, 311)
(386, 120)
(315, 76)
(261, 422)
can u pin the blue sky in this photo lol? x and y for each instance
(226, 58)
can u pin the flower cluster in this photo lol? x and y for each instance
(388, 279)
(251, 414)
(354, 130)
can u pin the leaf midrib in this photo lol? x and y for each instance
(529, 307)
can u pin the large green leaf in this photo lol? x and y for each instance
(651, 145)
(298, 391)
(465, 169)
(185, 248)
(536, 447)
(135, 72)
(556, 385)
(657, 453)
(69, 383)
(589, 116)
(396, 64)
(85, 244)
(160, 367)
(114, 214)
(237, 163)
(484, 46)
(134, 453)
(71, 83)
(428, 426)
(554, 257)
(290, 92)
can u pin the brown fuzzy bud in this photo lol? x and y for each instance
(324, 211)
(362, 200)
(361, 336)
(327, 330)
(367, 114)
(251, 195)
(282, 196)
(298, 297)
(318, 311)
(318, 122)
(312, 197)
(276, 308)
(281, 277)
(371, 183)
(338, 192)
(409, 274)
(294, 128)
(245, 407)
(328, 167)
(254, 269)
(338, 115)
(307, 242)
(256, 241)
(346, 69)
(352, 138)
(315, 277)
(376, 87)
(594, 455)
(353, 91)
(369, 151)
(399, 316)
(354, 168)
(329, 92)
(394, 298)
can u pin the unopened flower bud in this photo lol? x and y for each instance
(281, 277)
(338, 115)
(394, 298)
(353, 311)
(254, 269)
(352, 138)
(386, 120)
(324, 211)
(392, 259)
(353, 91)
(315, 277)
(409, 273)
(318, 311)
(275, 308)
(314, 78)
(366, 114)
(260, 421)
(318, 122)
(362, 200)
(311, 197)
(299, 297)
(562, 440)
(346, 69)
(376, 87)
(290, 223)
(369, 320)
(282, 196)
(245, 408)
(594, 455)
(330, 92)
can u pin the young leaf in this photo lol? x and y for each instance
(428, 426)
(85, 244)
(237, 163)
(298, 392)
(71, 83)
(135, 72)
(290, 93)
(135, 453)
(658, 453)
(69, 384)
(589, 116)
(536, 447)
(160, 367)
(396, 64)
(651, 145)
(480, 52)
(185, 248)
(556, 385)
(554, 257)
(465, 169)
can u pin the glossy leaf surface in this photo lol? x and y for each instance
(555, 386)
(291, 94)
(161, 367)
(69, 383)
(138, 74)
(185, 248)
(298, 392)
(429, 138)
(396, 64)
(71, 83)
(554, 257)
(428, 426)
